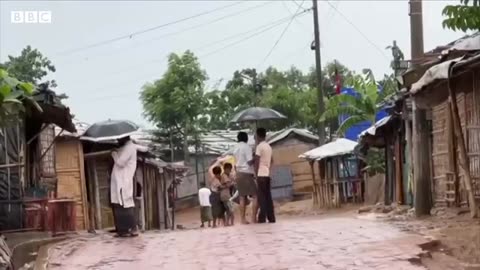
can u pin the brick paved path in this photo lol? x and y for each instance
(335, 243)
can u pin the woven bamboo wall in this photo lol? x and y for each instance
(468, 102)
(439, 152)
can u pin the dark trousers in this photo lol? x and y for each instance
(265, 200)
(124, 219)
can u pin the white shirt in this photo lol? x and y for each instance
(264, 152)
(121, 184)
(204, 196)
(243, 154)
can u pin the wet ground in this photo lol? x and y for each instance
(296, 243)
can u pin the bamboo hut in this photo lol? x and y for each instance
(389, 134)
(444, 87)
(27, 170)
(339, 180)
(450, 90)
(287, 145)
(153, 177)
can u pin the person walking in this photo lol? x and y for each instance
(205, 206)
(246, 186)
(121, 187)
(263, 163)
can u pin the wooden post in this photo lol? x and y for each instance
(386, 196)
(326, 183)
(83, 185)
(323, 172)
(315, 190)
(96, 188)
(398, 170)
(464, 161)
(408, 134)
(335, 182)
(421, 162)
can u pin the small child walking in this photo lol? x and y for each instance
(205, 206)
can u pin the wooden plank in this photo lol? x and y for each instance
(98, 206)
(315, 191)
(398, 171)
(81, 164)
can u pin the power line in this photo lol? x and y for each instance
(131, 35)
(271, 26)
(300, 6)
(265, 28)
(256, 34)
(357, 29)
(291, 13)
(230, 15)
(281, 36)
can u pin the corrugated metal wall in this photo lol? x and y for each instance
(282, 182)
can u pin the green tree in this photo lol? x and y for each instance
(363, 107)
(218, 110)
(291, 92)
(30, 66)
(14, 94)
(176, 102)
(464, 17)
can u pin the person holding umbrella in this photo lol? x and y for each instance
(121, 187)
(123, 171)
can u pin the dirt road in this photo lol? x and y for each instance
(300, 243)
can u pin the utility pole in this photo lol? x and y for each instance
(420, 133)
(318, 64)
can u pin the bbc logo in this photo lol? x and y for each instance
(31, 17)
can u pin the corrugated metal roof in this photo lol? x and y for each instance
(220, 141)
(440, 72)
(372, 130)
(282, 134)
(466, 43)
(339, 147)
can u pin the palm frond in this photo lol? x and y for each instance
(340, 110)
(349, 122)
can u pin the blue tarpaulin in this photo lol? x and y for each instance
(353, 132)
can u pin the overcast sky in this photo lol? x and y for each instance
(104, 81)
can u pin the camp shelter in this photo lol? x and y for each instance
(287, 145)
(446, 87)
(339, 180)
(388, 134)
(153, 178)
(27, 180)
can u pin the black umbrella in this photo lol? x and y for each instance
(255, 114)
(110, 130)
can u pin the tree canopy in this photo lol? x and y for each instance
(464, 17)
(13, 94)
(30, 66)
(176, 102)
